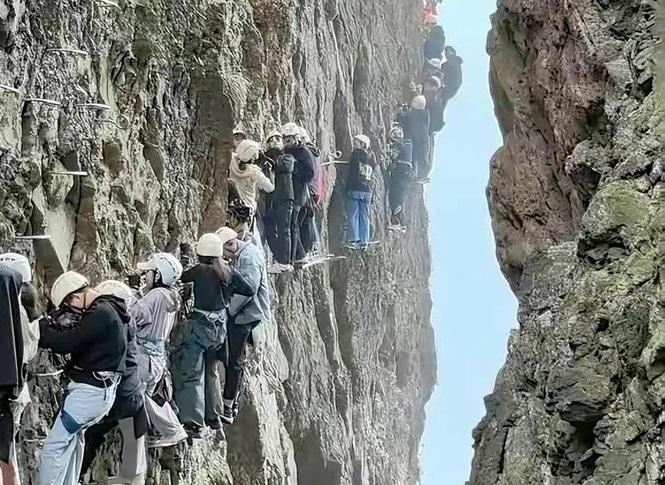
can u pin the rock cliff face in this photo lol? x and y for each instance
(577, 200)
(143, 96)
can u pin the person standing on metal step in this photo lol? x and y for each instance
(359, 193)
(155, 314)
(194, 365)
(98, 347)
(249, 307)
(19, 336)
(415, 122)
(401, 172)
(128, 411)
(303, 174)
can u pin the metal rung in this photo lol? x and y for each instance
(340, 162)
(108, 3)
(67, 172)
(4, 87)
(36, 237)
(50, 102)
(121, 122)
(94, 106)
(68, 51)
(48, 374)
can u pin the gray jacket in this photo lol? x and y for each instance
(250, 299)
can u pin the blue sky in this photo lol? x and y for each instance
(474, 309)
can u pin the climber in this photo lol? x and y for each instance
(247, 177)
(195, 374)
(308, 230)
(303, 174)
(359, 193)
(277, 221)
(19, 336)
(432, 68)
(401, 171)
(128, 411)
(416, 125)
(155, 314)
(248, 308)
(452, 74)
(435, 43)
(97, 346)
(239, 135)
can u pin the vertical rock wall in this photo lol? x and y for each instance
(577, 200)
(337, 396)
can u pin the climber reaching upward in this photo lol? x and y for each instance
(97, 345)
(359, 193)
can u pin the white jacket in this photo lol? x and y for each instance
(247, 181)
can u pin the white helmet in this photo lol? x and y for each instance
(66, 284)
(116, 288)
(273, 134)
(436, 63)
(364, 140)
(226, 234)
(248, 150)
(396, 133)
(419, 102)
(168, 266)
(291, 129)
(239, 129)
(18, 263)
(209, 245)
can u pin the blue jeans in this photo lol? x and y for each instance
(62, 454)
(357, 216)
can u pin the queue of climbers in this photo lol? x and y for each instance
(124, 372)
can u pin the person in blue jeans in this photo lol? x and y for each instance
(359, 193)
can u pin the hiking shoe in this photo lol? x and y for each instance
(193, 432)
(166, 441)
(228, 416)
(214, 425)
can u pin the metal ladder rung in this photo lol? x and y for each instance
(94, 106)
(68, 51)
(69, 172)
(4, 87)
(49, 102)
(37, 237)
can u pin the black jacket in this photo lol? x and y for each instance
(284, 167)
(452, 76)
(11, 333)
(436, 108)
(362, 161)
(435, 43)
(415, 124)
(98, 343)
(303, 173)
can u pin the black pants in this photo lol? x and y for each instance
(297, 250)
(400, 178)
(237, 337)
(307, 228)
(279, 233)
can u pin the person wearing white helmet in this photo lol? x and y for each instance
(247, 177)
(249, 307)
(415, 121)
(97, 347)
(194, 365)
(18, 345)
(359, 193)
(400, 175)
(239, 134)
(303, 175)
(155, 314)
(128, 411)
(316, 188)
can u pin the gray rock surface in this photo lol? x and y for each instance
(337, 396)
(577, 202)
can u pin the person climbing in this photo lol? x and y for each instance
(432, 68)
(97, 345)
(195, 374)
(128, 412)
(400, 174)
(359, 193)
(452, 74)
(308, 230)
(416, 125)
(155, 313)
(19, 336)
(435, 43)
(303, 174)
(277, 222)
(433, 95)
(249, 307)
(247, 177)
(239, 135)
